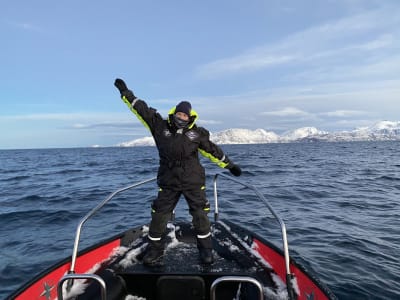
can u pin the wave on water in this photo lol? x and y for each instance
(339, 202)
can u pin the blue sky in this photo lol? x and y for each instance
(276, 65)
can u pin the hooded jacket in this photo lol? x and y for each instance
(178, 149)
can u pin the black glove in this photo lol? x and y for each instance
(123, 89)
(235, 170)
(120, 85)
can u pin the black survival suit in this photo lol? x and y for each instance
(180, 171)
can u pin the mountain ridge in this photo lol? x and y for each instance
(380, 131)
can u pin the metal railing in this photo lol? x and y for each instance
(238, 279)
(289, 275)
(71, 277)
(71, 273)
(87, 217)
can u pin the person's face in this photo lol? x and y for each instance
(182, 116)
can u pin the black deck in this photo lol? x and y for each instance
(181, 271)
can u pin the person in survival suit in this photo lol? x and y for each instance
(178, 140)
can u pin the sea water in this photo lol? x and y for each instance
(340, 203)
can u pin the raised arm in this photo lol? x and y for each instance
(147, 115)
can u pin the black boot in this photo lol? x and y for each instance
(206, 256)
(154, 253)
(205, 250)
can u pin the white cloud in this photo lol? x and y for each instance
(103, 125)
(26, 26)
(64, 117)
(208, 122)
(245, 62)
(42, 117)
(79, 121)
(343, 113)
(340, 42)
(383, 41)
(287, 112)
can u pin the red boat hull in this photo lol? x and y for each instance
(238, 252)
(45, 286)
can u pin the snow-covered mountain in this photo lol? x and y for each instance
(384, 128)
(146, 141)
(244, 136)
(381, 131)
(301, 133)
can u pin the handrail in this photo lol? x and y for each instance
(289, 275)
(92, 212)
(239, 279)
(70, 277)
